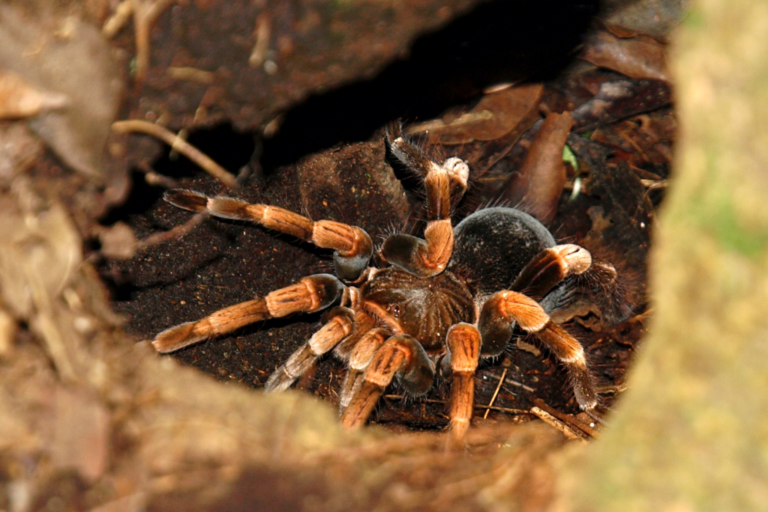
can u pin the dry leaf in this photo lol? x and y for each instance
(638, 57)
(79, 67)
(495, 115)
(18, 98)
(538, 187)
(656, 18)
(620, 99)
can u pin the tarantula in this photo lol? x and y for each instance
(442, 301)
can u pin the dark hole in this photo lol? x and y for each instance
(499, 41)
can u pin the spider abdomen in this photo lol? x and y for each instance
(492, 246)
(424, 308)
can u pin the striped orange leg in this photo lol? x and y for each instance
(445, 185)
(339, 323)
(505, 308)
(400, 355)
(597, 279)
(463, 342)
(310, 294)
(550, 267)
(359, 359)
(352, 246)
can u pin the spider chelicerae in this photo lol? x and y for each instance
(432, 304)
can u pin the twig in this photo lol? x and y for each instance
(145, 12)
(495, 394)
(118, 19)
(172, 234)
(567, 419)
(177, 144)
(554, 422)
(654, 184)
(507, 410)
(154, 178)
(191, 74)
(262, 33)
(515, 383)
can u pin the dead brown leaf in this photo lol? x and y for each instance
(542, 177)
(638, 57)
(496, 115)
(63, 58)
(18, 98)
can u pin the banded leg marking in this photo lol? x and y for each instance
(338, 327)
(550, 267)
(463, 342)
(359, 359)
(445, 185)
(308, 295)
(352, 245)
(399, 355)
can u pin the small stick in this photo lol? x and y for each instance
(515, 383)
(117, 20)
(156, 179)
(566, 418)
(145, 13)
(550, 420)
(172, 234)
(492, 408)
(177, 144)
(495, 394)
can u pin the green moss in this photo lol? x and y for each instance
(724, 223)
(694, 19)
(714, 211)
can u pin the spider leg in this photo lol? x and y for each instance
(505, 308)
(310, 294)
(352, 246)
(550, 267)
(359, 359)
(445, 185)
(363, 323)
(463, 341)
(400, 355)
(339, 324)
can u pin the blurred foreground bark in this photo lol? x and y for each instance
(690, 433)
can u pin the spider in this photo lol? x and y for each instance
(432, 304)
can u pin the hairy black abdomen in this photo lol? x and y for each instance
(494, 245)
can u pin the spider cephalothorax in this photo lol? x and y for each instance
(455, 295)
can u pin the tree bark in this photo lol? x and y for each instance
(691, 434)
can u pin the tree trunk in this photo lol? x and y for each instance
(691, 433)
